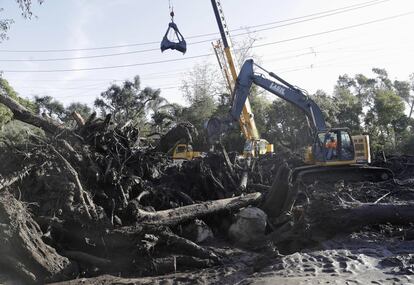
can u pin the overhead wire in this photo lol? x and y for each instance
(318, 16)
(208, 54)
(324, 63)
(180, 70)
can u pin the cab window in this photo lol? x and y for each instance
(347, 150)
(180, 149)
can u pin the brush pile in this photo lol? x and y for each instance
(99, 199)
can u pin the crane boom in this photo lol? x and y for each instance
(246, 118)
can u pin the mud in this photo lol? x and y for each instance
(360, 258)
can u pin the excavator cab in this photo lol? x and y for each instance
(332, 147)
(256, 148)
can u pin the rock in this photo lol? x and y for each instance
(249, 226)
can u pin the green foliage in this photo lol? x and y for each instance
(200, 87)
(163, 118)
(16, 132)
(50, 107)
(286, 125)
(261, 106)
(82, 109)
(26, 9)
(349, 109)
(129, 101)
(408, 146)
(5, 114)
(328, 107)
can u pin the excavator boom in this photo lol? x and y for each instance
(289, 93)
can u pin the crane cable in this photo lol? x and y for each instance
(171, 8)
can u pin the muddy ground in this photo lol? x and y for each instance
(361, 258)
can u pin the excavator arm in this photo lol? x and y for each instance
(284, 90)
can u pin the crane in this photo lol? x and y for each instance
(254, 145)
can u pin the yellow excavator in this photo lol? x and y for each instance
(185, 152)
(254, 145)
(334, 153)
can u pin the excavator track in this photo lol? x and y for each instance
(282, 193)
(348, 173)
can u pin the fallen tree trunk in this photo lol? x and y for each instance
(323, 220)
(22, 114)
(22, 250)
(276, 199)
(179, 215)
(349, 217)
(15, 176)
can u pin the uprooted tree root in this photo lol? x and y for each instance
(96, 203)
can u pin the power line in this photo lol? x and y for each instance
(171, 71)
(336, 30)
(95, 86)
(307, 20)
(193, 43)
(325, 63)
(208, 54)
(113, 66)
(319, 15)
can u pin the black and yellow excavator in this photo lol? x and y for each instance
(331, 156)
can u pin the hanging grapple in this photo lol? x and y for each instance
(179, 45)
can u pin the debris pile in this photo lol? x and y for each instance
(98, 200)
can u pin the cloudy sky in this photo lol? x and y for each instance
(74, 49)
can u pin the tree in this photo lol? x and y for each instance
(201, 84)
(260, 109)
(200, 88)
(328, 107)
(129, 101)
(386, 116)
(348, 106)
(82, 109)
(404, 89)
(377, 102)
(286, 125)
(50, 107)
(26, 9)
(5, 113)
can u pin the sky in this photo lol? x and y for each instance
(308, 43)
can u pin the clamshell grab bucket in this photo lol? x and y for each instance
(179, 45)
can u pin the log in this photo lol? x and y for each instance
(78, 118)
(179, 215)
(186, 246)
(86, 258)
(15, 176)
(349, 217)
(22, 114)
(22, 250)
(82, 196)
(276, 199)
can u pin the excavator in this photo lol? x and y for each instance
(322, 162)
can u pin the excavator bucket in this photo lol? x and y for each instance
(179, 45)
